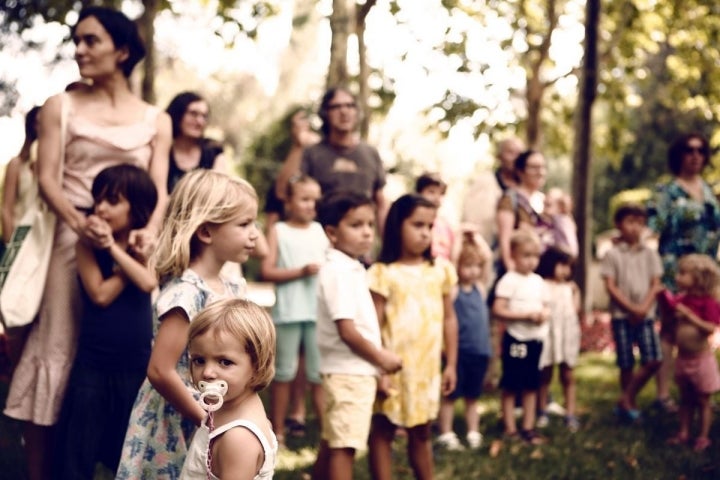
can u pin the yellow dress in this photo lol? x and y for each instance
(414, 330)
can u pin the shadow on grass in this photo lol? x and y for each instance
(603, 448)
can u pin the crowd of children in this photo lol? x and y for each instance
(387, 348)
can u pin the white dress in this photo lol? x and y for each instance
(562, 344)
(195, 467)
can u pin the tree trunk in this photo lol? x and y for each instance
(582, 160)
(341, 28)
(146, 25)
(363, 93)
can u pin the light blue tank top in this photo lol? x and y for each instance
(296, 301)
(473, 323)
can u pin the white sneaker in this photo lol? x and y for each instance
(542, 421)
(554, 408)
(474, 440)
(450, 441)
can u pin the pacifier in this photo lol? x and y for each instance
(214, 392)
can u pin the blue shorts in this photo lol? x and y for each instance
(642, 334)
(520, 364)
(290, 337)
(471, 370)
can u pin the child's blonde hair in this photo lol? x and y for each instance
(470, 251)
(523, 236)
(201, 196)
(251, 325)
(704, 271)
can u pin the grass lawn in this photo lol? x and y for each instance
(603, 448)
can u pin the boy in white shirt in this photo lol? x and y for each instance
(348, 333)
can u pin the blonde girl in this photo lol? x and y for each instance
(210, 220)
(697, 316)
(412, 296)
(232, 343)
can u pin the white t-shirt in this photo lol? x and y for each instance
(343, 293)
(525, 294)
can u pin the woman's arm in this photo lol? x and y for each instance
(158, 169)
(102, 291)
(169, 345)
(220, 164)
(10, 188)
(49, 165)
(505, 225)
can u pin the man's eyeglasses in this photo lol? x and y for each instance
(338, 106)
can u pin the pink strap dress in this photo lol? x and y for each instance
(40, 379)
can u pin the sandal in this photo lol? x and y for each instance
(531, 437)
(295, 428)
(629, 415)
(677, 440)
(511, 437)
(666, 405)
(701, 444)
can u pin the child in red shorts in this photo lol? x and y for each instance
(696, 316)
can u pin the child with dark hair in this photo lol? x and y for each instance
(412, 295)
(348, 335)
(432, 187)
(115, 329)
(562, 344)
(632, 272)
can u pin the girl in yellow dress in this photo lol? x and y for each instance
(411, 292)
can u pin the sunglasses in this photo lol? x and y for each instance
(692, 149)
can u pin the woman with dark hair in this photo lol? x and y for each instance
(685, 215)
(101, 125)
(190, 149)
(20, 185)
(522, 206)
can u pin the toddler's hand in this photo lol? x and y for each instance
(682, 311)
(388, 361)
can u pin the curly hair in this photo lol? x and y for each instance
(704, 271)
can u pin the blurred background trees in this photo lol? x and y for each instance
(479, 68)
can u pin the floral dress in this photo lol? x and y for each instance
(413, 329)
(684, 225)
(562, 345)
(157, 437)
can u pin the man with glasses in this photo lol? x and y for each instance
(340, 160)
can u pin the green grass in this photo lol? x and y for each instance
(602, 449)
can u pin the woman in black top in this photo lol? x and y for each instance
(190, 149)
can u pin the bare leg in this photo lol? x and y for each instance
(638, 381)
(662, 379)
(318, 398)
(472, 417)
(705, 411)
(567, 377)
(297, 392)
(382, 433)
(38, 450)
(420, 451)
(545, 379)
(279, 394)
(321, 469)
(341, 463)
(447, 412)
(529, 399)
(508, 411)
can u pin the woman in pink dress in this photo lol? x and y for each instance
(106, 124)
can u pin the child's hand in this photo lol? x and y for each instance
(99, 232)
(142, 243)
(310, 269)
(449, 381)
(682, 312)
(538, 317)
(385, 387)
(388, 361)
